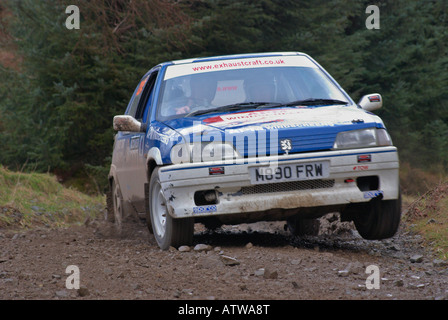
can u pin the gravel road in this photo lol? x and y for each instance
(258, 261)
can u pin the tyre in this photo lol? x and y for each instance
(117, 203)
(302, 227)
(380, 219)
(110, 216)
(168, 232)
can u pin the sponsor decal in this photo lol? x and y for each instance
(248, 117)
(227, 88)
(134, 143)
(205, 209)
(141, 86)
(364, 158)
(372, 194)
(360, 168)
(213, 171)
(178, 70)
(276, 119)
(374, 99)
(155, 135)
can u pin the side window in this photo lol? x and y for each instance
(146, 97)
(137, 97)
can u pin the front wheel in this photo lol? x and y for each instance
(380, 219)
(168, 231)
(303, 227)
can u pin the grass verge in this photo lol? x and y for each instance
(36, 199)
(428, 216)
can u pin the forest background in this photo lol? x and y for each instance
(60, 88)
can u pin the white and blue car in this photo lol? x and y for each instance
(251, 137)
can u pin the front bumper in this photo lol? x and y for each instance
(236, 195)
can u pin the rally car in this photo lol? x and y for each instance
(251, 137)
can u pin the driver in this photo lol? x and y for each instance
(203, 90)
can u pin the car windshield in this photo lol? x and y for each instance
(221, 86)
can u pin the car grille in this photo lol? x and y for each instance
(288, 186)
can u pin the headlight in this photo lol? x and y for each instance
(202, 151)
(362, 139)
(215, 151)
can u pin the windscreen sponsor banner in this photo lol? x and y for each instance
(232, 64)
(281, 118)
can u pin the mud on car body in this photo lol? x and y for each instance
(244, 138)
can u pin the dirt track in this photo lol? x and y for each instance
(258, 261)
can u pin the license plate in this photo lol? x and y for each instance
(289, 172)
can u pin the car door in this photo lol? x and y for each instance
(132, 171)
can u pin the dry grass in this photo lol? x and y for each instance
(428, 215)
(415, 181)
(30, 199)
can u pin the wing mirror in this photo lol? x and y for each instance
(128, 123)
(371, 102)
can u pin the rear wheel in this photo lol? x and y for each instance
(379, 219)
(117, 202)
(110, 206)
(167, 230)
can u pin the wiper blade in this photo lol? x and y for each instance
(230, 107)
(310, 102)
(320, 102)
